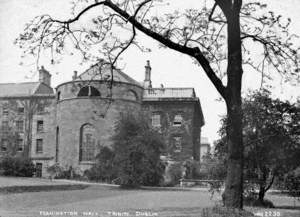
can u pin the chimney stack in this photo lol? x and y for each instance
(44, 76)
(147, 81)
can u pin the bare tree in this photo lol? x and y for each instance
(215, 38)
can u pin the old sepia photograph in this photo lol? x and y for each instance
(149, 108)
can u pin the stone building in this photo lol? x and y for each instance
(205, 147)
(71, 125)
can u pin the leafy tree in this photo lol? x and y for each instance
(137, 148)
(104, 169)
(212, 167)
(55, 170)
(271, 140)
(11, 136)
(291, 182)
(214, 38)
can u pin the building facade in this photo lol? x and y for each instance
(68, 126)
(205, 147)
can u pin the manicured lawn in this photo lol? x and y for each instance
(23, 181)
(101, 200)
(97, 200)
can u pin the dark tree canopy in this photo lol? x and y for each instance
(271, 140)
(215, 37)
(137, 149)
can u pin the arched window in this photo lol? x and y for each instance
(87, 143)
(131, 95)
(88, 91)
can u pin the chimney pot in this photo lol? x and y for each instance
(44, 76)
(147, 81)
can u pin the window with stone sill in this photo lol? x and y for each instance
(4, 145)
(40, 108)
(40, 126)
(39, 146)
(5, 112)
(177, 120)
(20, 145)
(20, 125)
(155, 119)
(177, 144)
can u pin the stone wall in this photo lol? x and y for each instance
(101, 112)
(36, 108)
(189, 130)
(46, 134)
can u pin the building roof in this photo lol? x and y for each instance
(24, 89)
(102, 71)
(169, 93)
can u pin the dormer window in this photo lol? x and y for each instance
(177, 120)
(88, 91)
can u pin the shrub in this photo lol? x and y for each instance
(137, 149)
(17, 166)
(192, 169)
(104, 169)
(252, 200)
(174, 173)
(292, 183)
(55, 170)
(59, 172)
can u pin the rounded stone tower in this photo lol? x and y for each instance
(87, 109)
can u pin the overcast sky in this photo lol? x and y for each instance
(168, 67)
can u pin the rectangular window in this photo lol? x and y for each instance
(4, 145)
(177, 120)
(5, 111)
(20, 125)
(20, 145)
(5, 126)
(177, 143)
(40, 126)
(39, 146)
(155, 120)
(21, 110)
(40, 108)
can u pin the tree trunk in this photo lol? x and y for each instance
(263, 188)
(261, 193)
(233, 195)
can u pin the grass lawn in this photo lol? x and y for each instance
(101, 201)
(6, 181)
